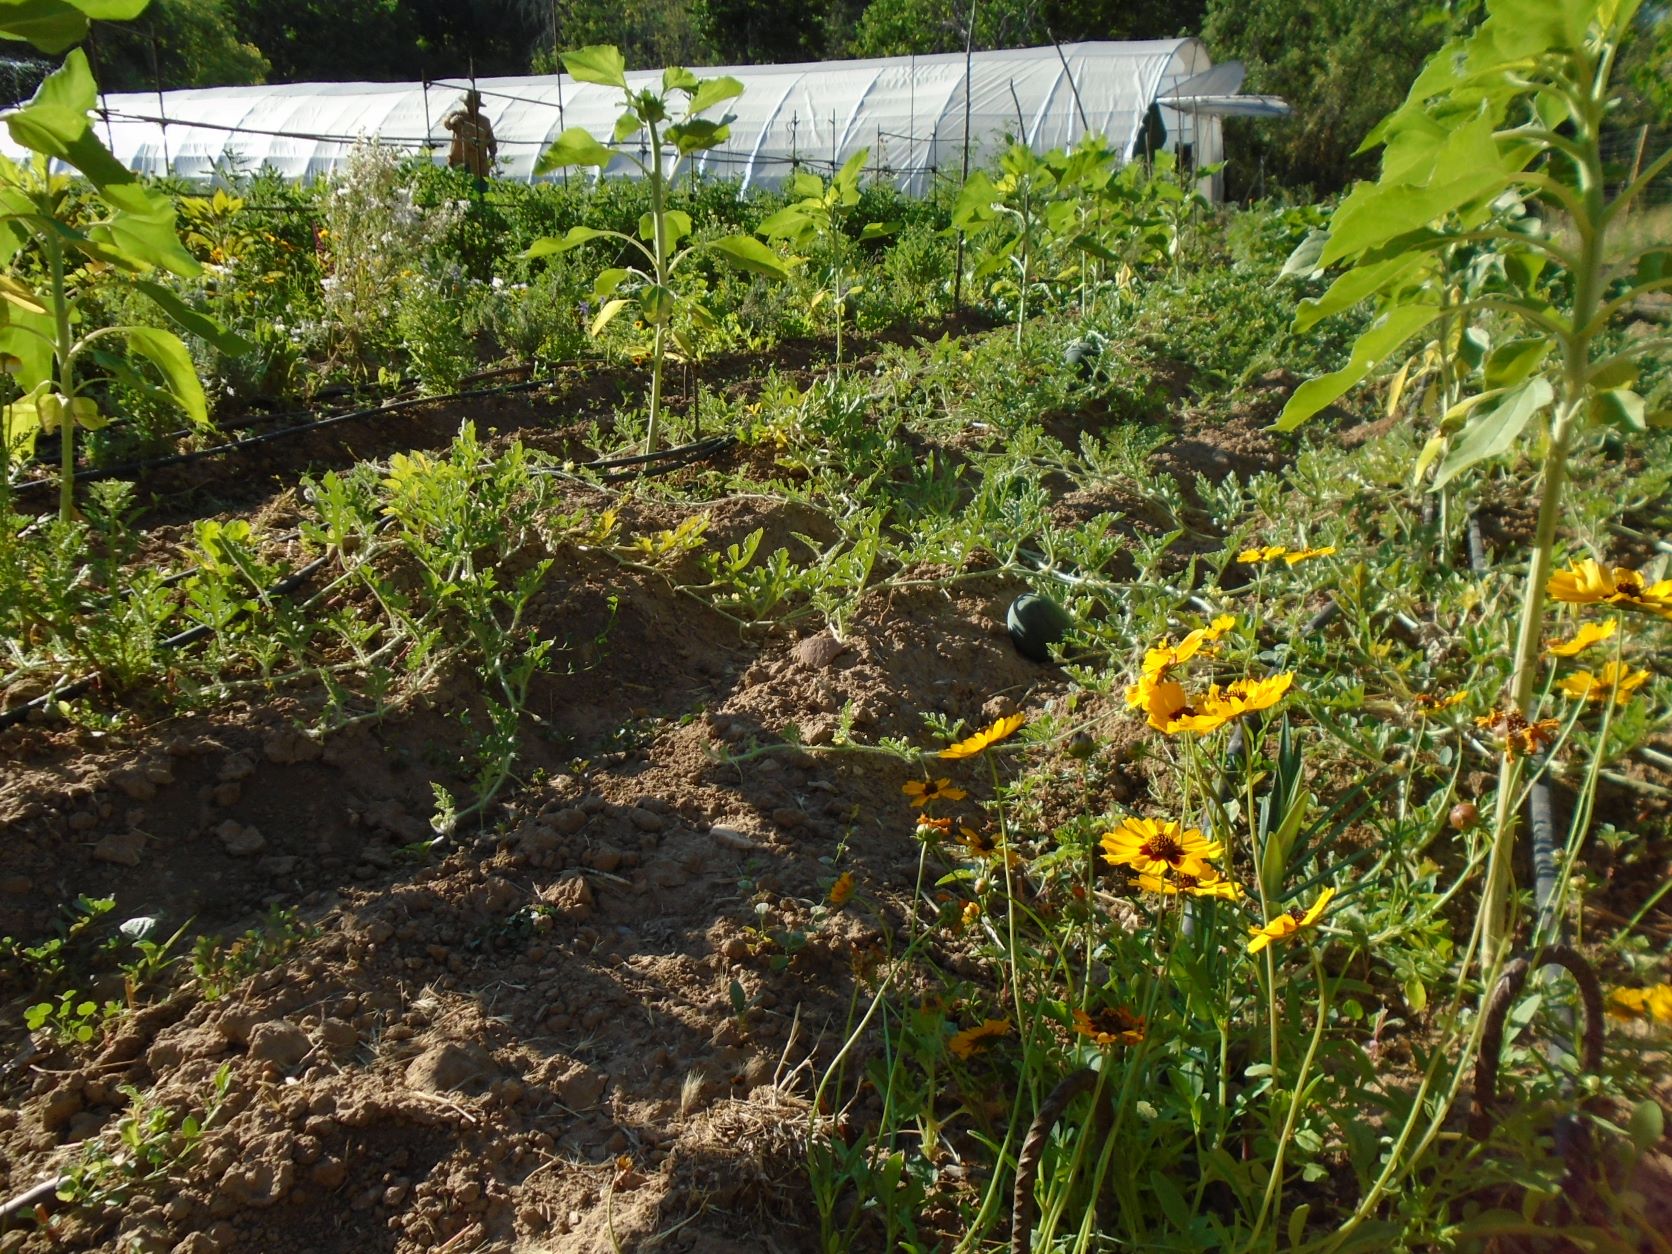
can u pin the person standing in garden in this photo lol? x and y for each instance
(474, 146)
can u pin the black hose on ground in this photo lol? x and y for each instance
(1571, 1135)
(92, 474)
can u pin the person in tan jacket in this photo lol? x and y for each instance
(474, 146)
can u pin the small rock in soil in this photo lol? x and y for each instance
(240, 839)
(120, 848)
(287, 747)
(61, 1106)
(571, 898)
(279, 1042)
(604, 859)
(567, 821)
(338, 1035)
(235, 768)
(819, 651)
(258, 1185)
(329, 1172)
(537, 838)
(135, 786)
(453, 1066)
(731, 838)
(580, 1089)
(237, 1025)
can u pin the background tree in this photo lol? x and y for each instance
(651, 34)
(892, 28)
(1341, 64)
(184, 43)
(753, 32)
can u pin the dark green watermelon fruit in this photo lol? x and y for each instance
(1036, 623)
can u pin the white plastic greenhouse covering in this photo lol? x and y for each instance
(910, 112)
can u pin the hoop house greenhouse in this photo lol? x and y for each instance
(914, 114)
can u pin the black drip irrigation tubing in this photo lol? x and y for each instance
(1571, 1135)
(92, 474)
(609, 468)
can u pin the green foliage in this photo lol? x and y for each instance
(182, 43)
(46, 962)
(57, 25)
(1341, 65)
(897, 28)
(1478, 144)
(125, 226)
(219, 965)
(816, 217)
(153, 1142)
(72, 1019)
(655, 255)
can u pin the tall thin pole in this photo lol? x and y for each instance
(162, 112)
(1079, 105)
(969, 69)
(911, 122)
(427, 126)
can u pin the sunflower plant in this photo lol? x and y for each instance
(56, 246)
(670, 124)
(818, 216)
(1498, 146)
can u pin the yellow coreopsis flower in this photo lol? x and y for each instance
(1286, 924)
(1521, 738)
(841, 890)
(1156, 846)
(1588, 582)
(1271, 552)
(1640, 1003)
(1430, 703)
(1171, 710)
(922, 792)
(1245, 696)
(965, 1043)
(1301, 555)
(1587, 635)
(986, 845)
(985, 738)
(1617, 680)
(1208, 884)
(1113, 1025)
(1162, 659)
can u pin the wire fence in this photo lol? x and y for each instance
(719, 162)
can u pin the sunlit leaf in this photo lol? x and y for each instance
(598, 63)
(1493, 431)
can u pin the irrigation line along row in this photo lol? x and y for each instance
(640, 465)
(1542, 842)
(91, 474)
(1541, 820)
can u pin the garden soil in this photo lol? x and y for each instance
(566, 1033)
